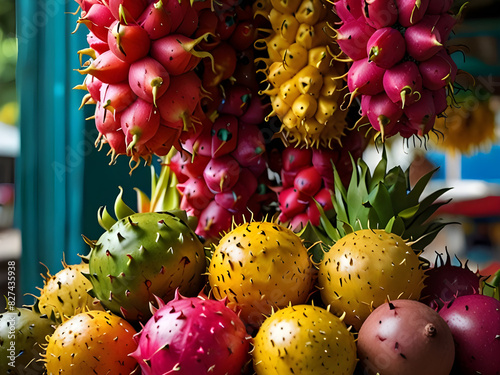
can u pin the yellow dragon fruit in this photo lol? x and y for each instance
(303, 72)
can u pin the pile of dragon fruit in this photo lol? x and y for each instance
(266, 245)
(401, 68)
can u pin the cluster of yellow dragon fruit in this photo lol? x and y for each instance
(304, 76)
(401, 67)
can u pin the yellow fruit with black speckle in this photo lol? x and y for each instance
(306, 340)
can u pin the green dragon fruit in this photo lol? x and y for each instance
(304, 339)
(193, 336)
(65, 293)
(93, 342)
(142, 255)
(22, 332)
(260, 266)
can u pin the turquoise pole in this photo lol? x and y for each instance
(61, 178)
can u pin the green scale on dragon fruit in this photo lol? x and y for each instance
(192, 336)
(143, 255)
(401, 67)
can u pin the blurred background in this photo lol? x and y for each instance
(52, 179)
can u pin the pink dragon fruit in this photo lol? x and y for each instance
(222, 172)
(399, 53)
(141, 66)
(192, 336)
(307, 178)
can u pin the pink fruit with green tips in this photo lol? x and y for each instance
(193, 335)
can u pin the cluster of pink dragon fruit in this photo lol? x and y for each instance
(401, 67)
(141, 73)
(307, 178)
(221, 171)
(167, 73)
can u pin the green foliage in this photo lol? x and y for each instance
(379, 200)
(491, 287)
(8, 51)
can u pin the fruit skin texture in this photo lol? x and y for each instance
(405, 337)
(143, 255)
(193, 336)
(259, 266)
(444, 282)
(66, 293)
(364, 268)
(27, 328)
(94, 342)
(474, 321)
(304, 339)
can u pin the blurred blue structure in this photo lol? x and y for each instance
(474, 167)
(61, 179)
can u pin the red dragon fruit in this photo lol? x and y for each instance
(474, 321)
(222, 172)
(192, 336)
(307, 178)
(402, 44)
(444, 282)
(136, 47)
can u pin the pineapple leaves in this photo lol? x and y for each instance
(395, 225)
(380, 200)
(383, 199)
(311, 235)
(409, 212)
(330, 230)
(380, 171)
(416, 192)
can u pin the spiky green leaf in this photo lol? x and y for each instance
(311, 235)
(379, 172)
(418, 189)
(409, 212)
(396, 225)
(330, 230)
(121, 208)
(380, 200)
(105, 220)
